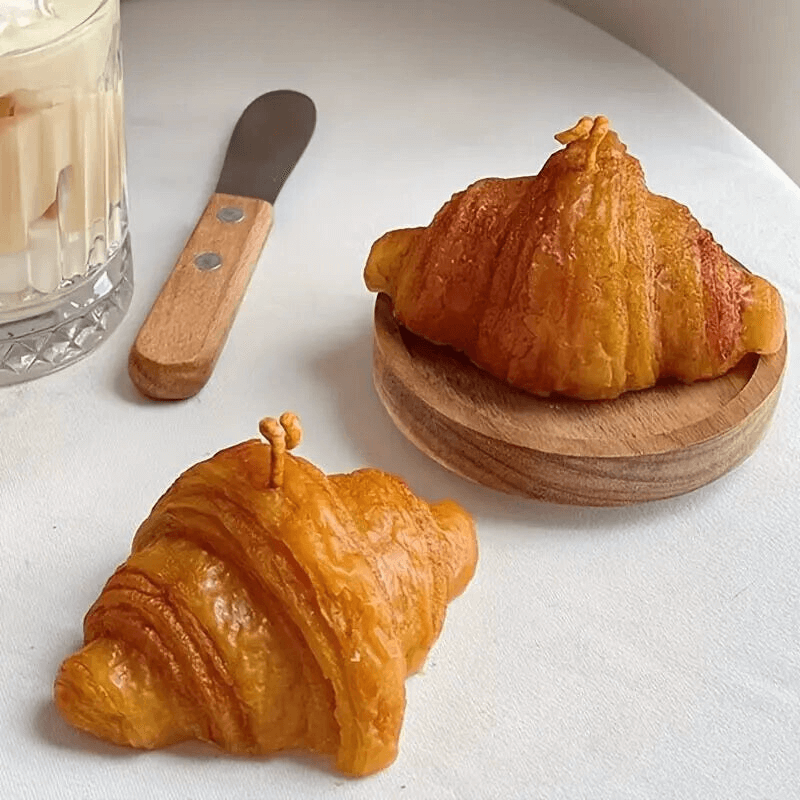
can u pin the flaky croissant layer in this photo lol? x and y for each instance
(577, 280)
(268, 606)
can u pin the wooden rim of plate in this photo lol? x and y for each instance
(644, 445)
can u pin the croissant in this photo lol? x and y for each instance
(267, 606)
(578, 280)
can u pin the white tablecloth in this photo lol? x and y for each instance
(644, 652)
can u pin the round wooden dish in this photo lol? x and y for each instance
(642, 446)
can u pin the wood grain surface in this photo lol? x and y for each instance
(180, 341)
(646, 445)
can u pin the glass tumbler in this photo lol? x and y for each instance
(65, 258)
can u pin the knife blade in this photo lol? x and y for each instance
(178, 345)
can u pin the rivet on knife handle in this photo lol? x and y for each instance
(179, 343)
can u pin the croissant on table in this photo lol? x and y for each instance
(578, 280)
(267, 606)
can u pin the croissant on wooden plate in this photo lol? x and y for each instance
(267, 606)
(578, 280)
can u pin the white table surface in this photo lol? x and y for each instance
(644, 652)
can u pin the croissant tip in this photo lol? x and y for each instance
(81, 700)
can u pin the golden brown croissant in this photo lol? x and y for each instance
(268, 606)
(577, 280)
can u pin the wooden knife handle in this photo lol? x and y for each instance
(178, 345)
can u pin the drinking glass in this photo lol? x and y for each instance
(65, 256)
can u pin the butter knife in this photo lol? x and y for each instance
(182, 337)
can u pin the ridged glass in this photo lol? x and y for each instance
(65, 258)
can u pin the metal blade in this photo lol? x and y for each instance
(267, 142)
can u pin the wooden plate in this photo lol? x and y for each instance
(645, 445)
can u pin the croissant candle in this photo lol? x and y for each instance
(267, 606)
(578, 280)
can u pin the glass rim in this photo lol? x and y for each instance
(66, 35)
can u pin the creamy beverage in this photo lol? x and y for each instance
(62, 153)
(61, 142)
